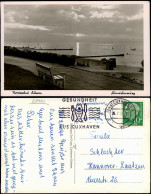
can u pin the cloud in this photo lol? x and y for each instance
(105, 14)
(76, 8)
(24, 26)
(105, 7)
(10, 16)
(115, 15)
(135, 17)
(138, 16)
(73, 21)
(76, 16)
(72, 14)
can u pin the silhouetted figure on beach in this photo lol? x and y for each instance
(142, 68)
(142, 63)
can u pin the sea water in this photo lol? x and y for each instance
(131, 57)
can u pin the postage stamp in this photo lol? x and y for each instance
(114, 113)
(128, 115)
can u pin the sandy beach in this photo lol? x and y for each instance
(127, 73)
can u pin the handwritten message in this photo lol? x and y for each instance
(53, 145)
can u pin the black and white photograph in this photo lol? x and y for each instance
(75, 46)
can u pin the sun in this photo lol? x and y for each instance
(79, 35)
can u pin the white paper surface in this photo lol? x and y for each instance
(75, 145)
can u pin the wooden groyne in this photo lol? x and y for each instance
(117, 55)
(55, 49)
(42, 49)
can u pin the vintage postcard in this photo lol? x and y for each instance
(63, 48)
(68, 145)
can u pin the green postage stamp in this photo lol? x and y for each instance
(133, 113)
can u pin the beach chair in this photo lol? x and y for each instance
(46, 74)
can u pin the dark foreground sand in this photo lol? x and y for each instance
(75, 79)
(17, 78)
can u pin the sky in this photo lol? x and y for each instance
(103, 23)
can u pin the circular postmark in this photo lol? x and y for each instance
(120, 113)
